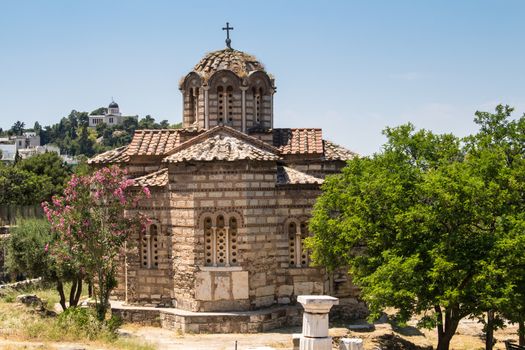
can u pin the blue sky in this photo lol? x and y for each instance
(350, 67)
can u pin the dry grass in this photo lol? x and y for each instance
(20, 323)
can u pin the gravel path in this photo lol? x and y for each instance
(170, 340)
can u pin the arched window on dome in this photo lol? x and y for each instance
(225, 104)
(149, 242)
(221, 103)
(257, 101)
(229, 103)
(193, 104)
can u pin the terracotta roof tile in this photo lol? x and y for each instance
(153, 142)
(155, 179)
(117, 155)
(222, 147)
(238, 62)
(298, 141)
(333, 151)
(289, 176)
(157, 142)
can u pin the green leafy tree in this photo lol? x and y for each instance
(17, 128)
(21, 187)
(28, 254)
(37, 128)
(18, 157)
(130, 125)
(148, 122)
(164, 124)
(85, 144)
(48, 165)
(99, 111)
(498, 151)
(413, 224)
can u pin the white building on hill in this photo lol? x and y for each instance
(112, 116)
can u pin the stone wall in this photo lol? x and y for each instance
(261, 275)
(233, 322)
(152, 284)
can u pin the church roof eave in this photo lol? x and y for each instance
(114, 156)
(157, 178)
(287, 176)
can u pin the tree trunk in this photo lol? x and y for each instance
(446, 327)
(443, 343)
(79, 291)
(521, 331)
(60, 289)
(102, 300)
(489, 333)
(72, 293)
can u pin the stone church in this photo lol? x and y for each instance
(231, 198)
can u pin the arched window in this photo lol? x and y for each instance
(229, 103)
(233, 240)
(221, 95)
(220, 238)
(209, 238)
(257, 100)
(221, 245)
(225, 104)
(149, 253)
(193, 104)
(297, 232)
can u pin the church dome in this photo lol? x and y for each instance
(241, 63)
(113, 104)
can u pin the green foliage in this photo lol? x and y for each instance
(17, 128)
(430, 223)
(33, 180)
(148, 122)
(37, 128)
(28, 253)
(84, 323)
(73, 136)
(73, 325)
(21, 187)
(48, 165)
(99, 111)
(26, 249)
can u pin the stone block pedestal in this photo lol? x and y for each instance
(315, 321)
(351, 344)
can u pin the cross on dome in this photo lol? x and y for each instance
(227, 29)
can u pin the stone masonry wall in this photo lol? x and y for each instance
(249, 191)
(150, 285)
(262, 275)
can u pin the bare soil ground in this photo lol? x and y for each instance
(384, 336)
(164, 339)
(387, 336)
